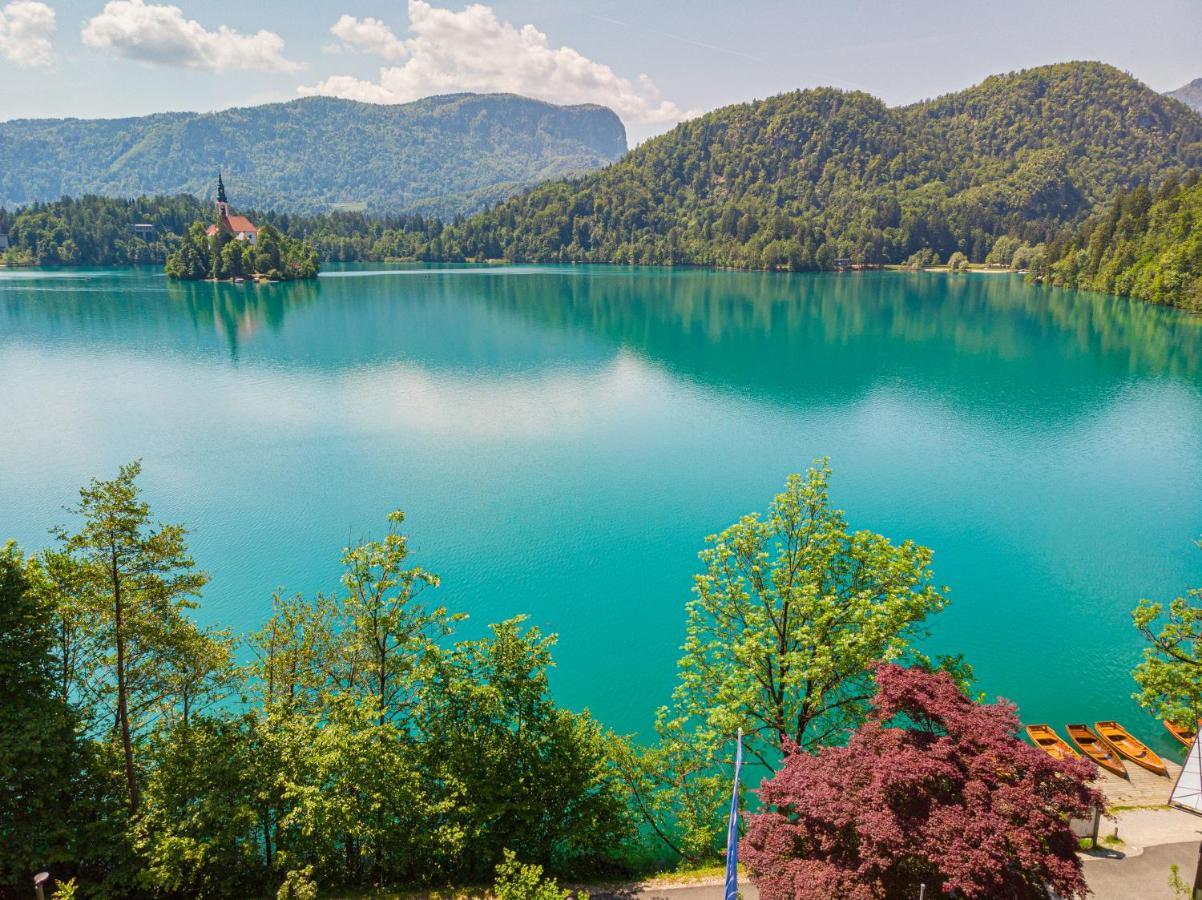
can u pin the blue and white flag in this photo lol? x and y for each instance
(732, 830)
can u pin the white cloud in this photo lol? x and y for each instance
(157, 34)
(473, 50)
(26, 28)
(370, 36)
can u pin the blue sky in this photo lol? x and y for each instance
(654, 62)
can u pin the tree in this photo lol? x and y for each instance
(139, 581)
(233, 263)
(38, 756)
(388, 630)
(932, 789)
(1170, 676)
(191, 260)
(532, 777)
(957, 262)
(791, 615)
(352, 795)
(792, 612)
(197, 833)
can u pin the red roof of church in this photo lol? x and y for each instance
(239, 224)
(236, 224)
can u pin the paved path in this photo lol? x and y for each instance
(709, 889)
(1145, 876)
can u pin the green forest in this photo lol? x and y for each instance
(439, 155)
(98, 231)
(1144, 244)
(800, 180)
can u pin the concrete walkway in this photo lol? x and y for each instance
(706, 889)
(1144, 876)
(702, 889)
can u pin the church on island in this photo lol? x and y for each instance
(239, 226)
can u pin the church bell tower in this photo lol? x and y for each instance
(223, 206)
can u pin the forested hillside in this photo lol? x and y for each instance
(442, 155)
(1143, 245)
(96, 231)
(802, 179)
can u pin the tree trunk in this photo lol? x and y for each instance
(267, 838)
(127, 747)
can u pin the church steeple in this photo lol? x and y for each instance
(223, 205)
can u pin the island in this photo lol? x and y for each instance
(232, 248)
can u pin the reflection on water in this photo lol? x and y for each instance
(779, 334)
(563, 438)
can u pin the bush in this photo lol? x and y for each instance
(518, 882)
(298, 885)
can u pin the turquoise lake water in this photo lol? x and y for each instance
(563, 439)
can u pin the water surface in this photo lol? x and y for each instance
(562, 440)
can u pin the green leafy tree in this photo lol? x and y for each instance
(340, 677)
(788, 620)
(389, 631)
(355, 798)
(39, 762)
(535, 778)
(138, 580)
(190, 261)
(198, 831)
(1170, 676)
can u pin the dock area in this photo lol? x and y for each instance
(1140, 788)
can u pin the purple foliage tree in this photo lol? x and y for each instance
(933, 789)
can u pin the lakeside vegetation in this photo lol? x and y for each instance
(1144, 245)
(273, 256)
(356, 740)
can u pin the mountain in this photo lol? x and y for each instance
(1142, 245)
(441, 155)
(1190, 94)
(802, 179)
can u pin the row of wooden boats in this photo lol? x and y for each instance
(1107, 744)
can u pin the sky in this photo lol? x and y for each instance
(654, 63)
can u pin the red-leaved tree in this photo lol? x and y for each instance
(933, 789)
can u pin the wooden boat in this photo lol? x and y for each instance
(1093, 748)
(1047, 740)
(1184, 735)
(1118, 739)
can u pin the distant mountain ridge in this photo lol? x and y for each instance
(1190, 94)
(440, 155)
(805, 179)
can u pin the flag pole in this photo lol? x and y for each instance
(732, 828)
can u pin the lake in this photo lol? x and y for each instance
(562, 439)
